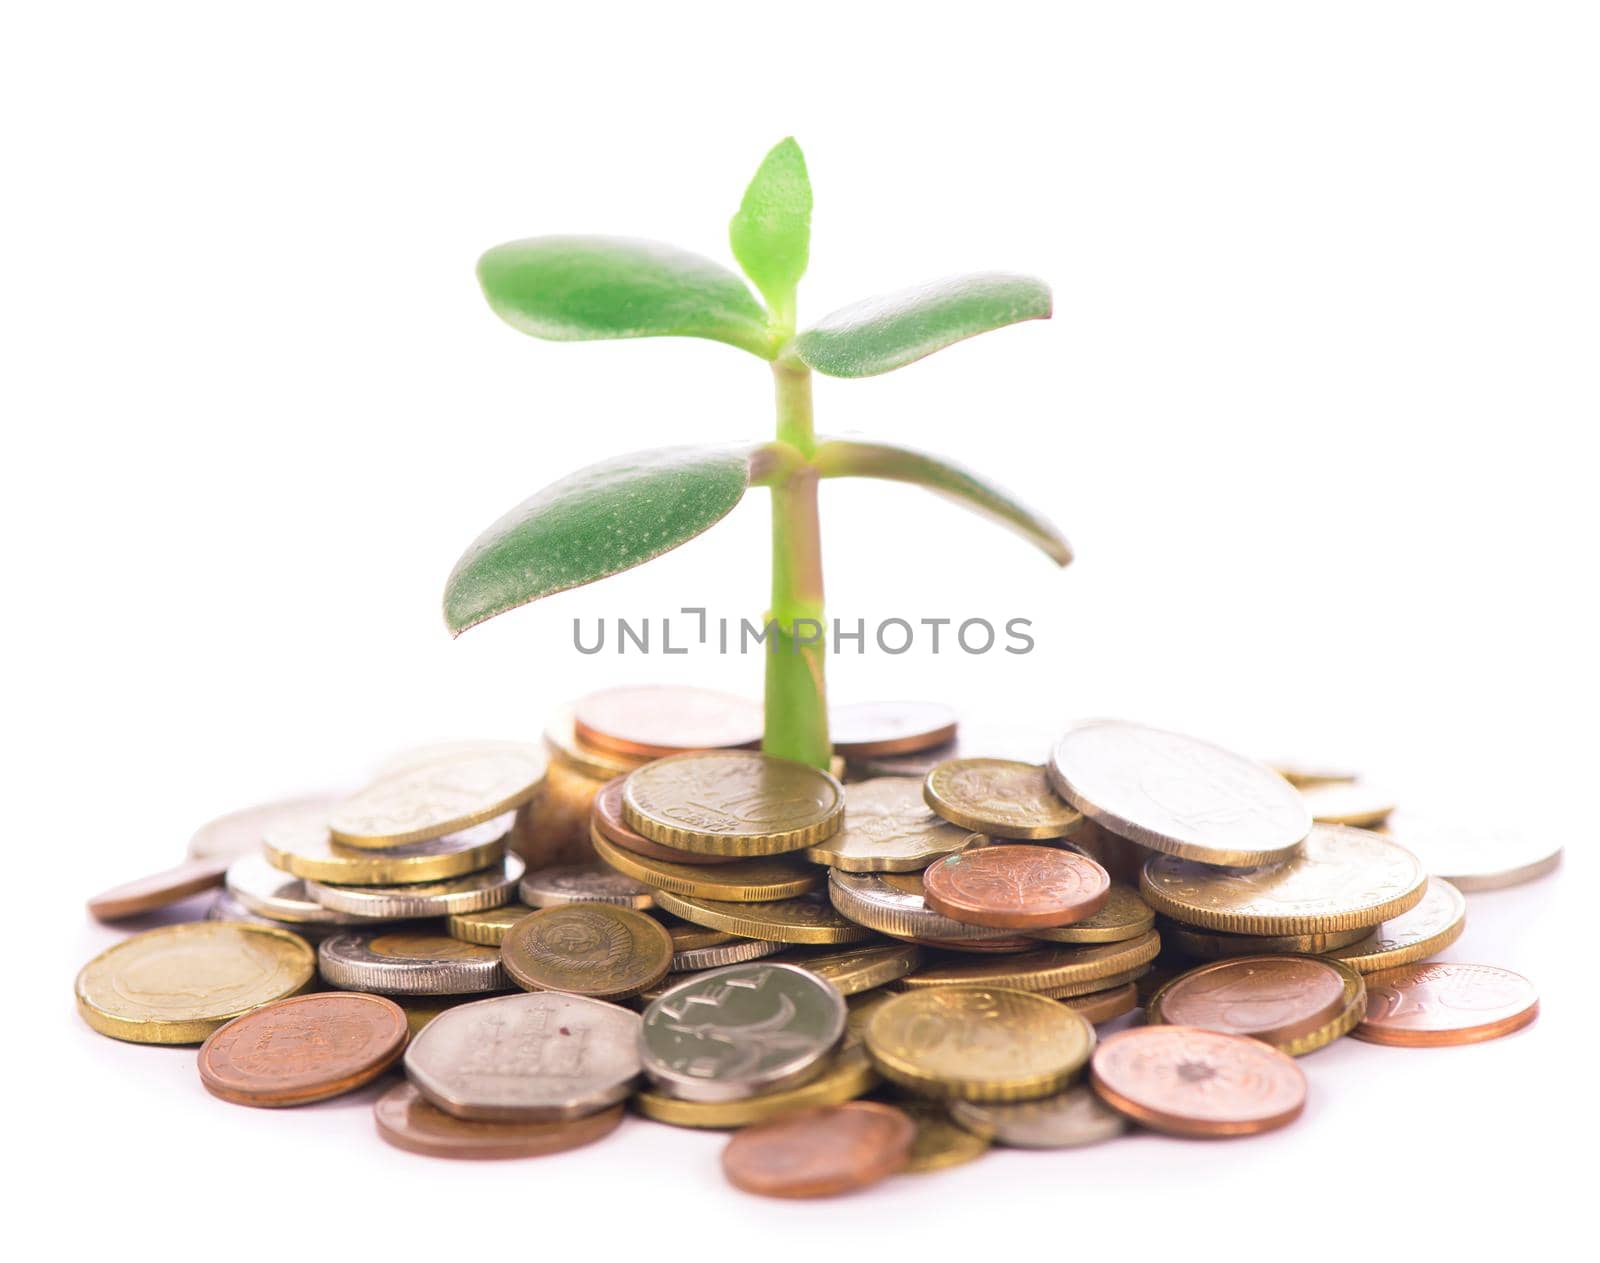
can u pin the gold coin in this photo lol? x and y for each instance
(1423, 931)
(590, 949)
(1297, 1004)
(1302, 772)
(978, 1043)
(1125, 916)
(1348, 802)
(177, 984)
(1208, 945)
(488, 927)
(306, 849)
(889, 828)
(1102, 1006)
(939, 1143)
(688, 937)
(807, 919)
(748, 881)
(732, 802)
(846, 1077)
(1341, 878)
(1000, 797)
(1089, 986)
(429, 800)
(1179, 795)
(1047, 969)
(856, 969)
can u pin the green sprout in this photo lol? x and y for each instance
(621, 513)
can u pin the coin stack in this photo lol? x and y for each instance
(747, 943)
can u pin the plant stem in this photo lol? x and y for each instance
(796, 693)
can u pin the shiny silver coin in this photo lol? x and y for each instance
(487, 888)
(240, 832)
(869, 900)
(697, 958)
(410, 963)
(226, 908)
(733, 1033)
(537, 1057)
(1065, 1121)
(584, 883)
(270, 892)
(1475, 856)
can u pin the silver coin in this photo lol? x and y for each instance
(1072, 1118)
(410, 963)
(226, 908)
(698, 958)
(1474, 856)
(1179, 795)
(240, 832)
(527, 1058)
(732, 1033)
(868, 900)
(971, 742)
(584, 883)
(487, 888)
(271, 892)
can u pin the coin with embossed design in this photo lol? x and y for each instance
(527, 1058)
(1065, 1121)
(999, 797)
(402, 962)
(1016, 887)
(889, 828)
(1434, 1003)
(737, 802)
(606, 819)
(807, 919)
(1423, 931)
(732, 1033)
(892, 903)
(303, 1049)
(407, 1120)
(1192, 1082)
(429, 800)
(1124, 916)
(1178, 794)
(655, 720)
(157, 890)
(1341, 879)
(591, 949)
(820, 1152)
(978, 1043)
(305, 848)
(856, 969)
(884, 729)
(177, 984)
(1295, 1003)
(584, 883)
(486, 888)
(742, 881)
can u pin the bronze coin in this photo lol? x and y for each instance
(407, 1121)
(1191, 1082)
(1015, 887)
(146, 894)
(1431, 1004)
(1102, 1006)
(820, 1152)
(658, 720)
(590, 949)
(608, 819)
(1277, 999)
(879, 729)
(303, 1049)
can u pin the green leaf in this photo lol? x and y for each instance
(771, 234)
(597, 522)
(840, 458)
(893, 330)
(573, 289)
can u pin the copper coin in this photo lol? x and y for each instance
(1016, 887)
(303, 1049)
(146, 894)
(658, 720)
(1427, 1005)
(1102, 1006)
(820, 1152)
(878, 729)
(407, 1121)
(1191, 1082)
(608, 819)
(1277, 999)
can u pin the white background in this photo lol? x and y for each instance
(1317, 410)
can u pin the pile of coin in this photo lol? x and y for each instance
(740, 942)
